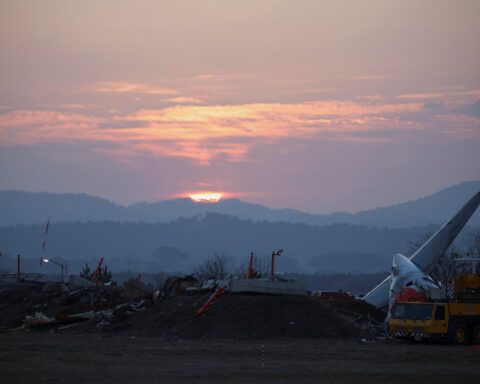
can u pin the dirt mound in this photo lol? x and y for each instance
(241, 316)
(232, 316)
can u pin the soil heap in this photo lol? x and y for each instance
(232, 316)
(245, 316)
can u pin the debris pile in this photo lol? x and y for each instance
(134, 309)
(28, 305)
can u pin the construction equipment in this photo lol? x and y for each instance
(250, 273)
(250, 267)
(94, 277)
(218, 292)
(456, 320)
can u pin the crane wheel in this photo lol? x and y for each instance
(476, 335)
(460, 335)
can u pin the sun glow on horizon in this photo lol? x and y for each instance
(206, 197)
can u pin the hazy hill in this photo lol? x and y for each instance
(436, 208)
(181, 244)
(18, 207)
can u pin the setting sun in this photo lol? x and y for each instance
(207, 197)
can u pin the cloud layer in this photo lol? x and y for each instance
(294, 103)
(204, 132)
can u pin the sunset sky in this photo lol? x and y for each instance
(315, 105)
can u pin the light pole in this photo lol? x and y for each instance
(278, 253)
(43, 260)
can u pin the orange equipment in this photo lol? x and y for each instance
(409, 294)
(211, 300)
(250, 267)
(94, 277)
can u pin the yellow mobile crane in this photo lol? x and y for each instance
(455, 320)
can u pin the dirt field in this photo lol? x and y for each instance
(305, 340)
(44, 357)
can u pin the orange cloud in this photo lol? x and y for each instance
(184, 100)
(436, 95)
(451, 99)
(126, 87)
(201, 152)
(264, 121)
(356, 139)
(370, 97)
(460, 126)
(33, 127)
(72, 106)
(422, 95)
(202, 133)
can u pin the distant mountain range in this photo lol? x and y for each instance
(19, 207)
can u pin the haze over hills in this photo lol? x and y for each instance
(433, 209)
(181, 244)
(152, 237)
(19, 207)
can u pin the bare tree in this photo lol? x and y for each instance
(472, 243)
(261, 265)
(215, 267)
(240, 269)
(446, 268)
(104, 275)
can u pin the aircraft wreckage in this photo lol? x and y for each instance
(414, 271)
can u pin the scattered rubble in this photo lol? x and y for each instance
(133, 289)
(26, 305)
(135, 309)
(176, 285)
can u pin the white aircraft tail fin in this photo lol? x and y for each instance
(429, 253)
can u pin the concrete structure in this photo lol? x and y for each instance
(268, 286)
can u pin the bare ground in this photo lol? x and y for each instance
(305, 340)
(45, 357)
